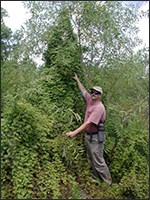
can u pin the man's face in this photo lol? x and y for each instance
(95, 94)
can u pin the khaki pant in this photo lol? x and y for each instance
(95, 157)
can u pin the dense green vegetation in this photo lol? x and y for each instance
(41, 103)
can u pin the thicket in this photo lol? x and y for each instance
(39, 105)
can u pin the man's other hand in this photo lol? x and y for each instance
(71, 134)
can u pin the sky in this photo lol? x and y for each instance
(144, 25)
(18, 15)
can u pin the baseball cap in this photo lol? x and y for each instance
(98, 89)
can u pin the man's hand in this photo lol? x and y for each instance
(78, 130)
(81, 87)
(75, 77)
(71, 134)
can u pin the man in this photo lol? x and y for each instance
(95, 113)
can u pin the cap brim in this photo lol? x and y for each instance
(97, 90)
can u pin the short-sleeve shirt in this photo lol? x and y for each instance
(95, 112)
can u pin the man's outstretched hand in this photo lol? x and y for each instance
(75, 77)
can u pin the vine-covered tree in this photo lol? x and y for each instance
(52, 96)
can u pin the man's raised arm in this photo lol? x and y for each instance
(81, 87)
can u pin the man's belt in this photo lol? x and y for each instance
(92, 133)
